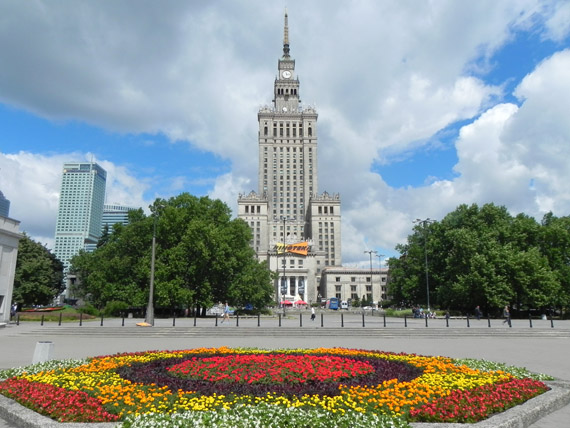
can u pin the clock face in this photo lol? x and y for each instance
(286, 74)
(284, 109)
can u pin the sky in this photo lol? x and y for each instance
(423, 105)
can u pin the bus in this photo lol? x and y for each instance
(332, 303)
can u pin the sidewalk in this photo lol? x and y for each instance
(540, 349)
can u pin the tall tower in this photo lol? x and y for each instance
(287, 213)
(80, 209)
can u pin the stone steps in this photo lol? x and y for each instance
(310, 331)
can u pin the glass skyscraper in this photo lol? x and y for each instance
(4, 206)
(80, 212)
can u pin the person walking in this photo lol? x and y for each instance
(507, 315)
(478, 313)
(312, 314)
(226, 313)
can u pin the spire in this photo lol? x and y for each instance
(286, 37)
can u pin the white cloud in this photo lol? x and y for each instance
(32, 183)
(386, 77)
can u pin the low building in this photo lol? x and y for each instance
(9, 240)
(350, 283)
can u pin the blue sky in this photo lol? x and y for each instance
(422, 105)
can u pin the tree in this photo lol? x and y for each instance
(38, 278)
(202, 257)
(478, 256)
(555, 245)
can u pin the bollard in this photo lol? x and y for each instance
(489, 321)
(42, 352)
(237, 320)
(216, 320)
(101, 320)
(18, 319)
(300, 320)
(279, 319)
(468, 321)
(342, 320)
(426, 320)
(60, 317)
(258, 320)
(446, 322)
(80, 319)
(195, 314)
(42, 319)
(551, 322)
(405, 321)
(363, 325)
(384, 320)
(530, 320)
(174, 319)
(322, 320)
(123, 321)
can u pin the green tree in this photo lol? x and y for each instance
(477, 256)
(555, 245)
(202, 257)
(38, 278)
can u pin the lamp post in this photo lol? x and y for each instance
(382, 295)
(370, 252)
(380, 260)
(424, 224)
(150, 307)
(284, 280)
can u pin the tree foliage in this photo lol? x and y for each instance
(38, 276)
(484, 256)
(202, 257)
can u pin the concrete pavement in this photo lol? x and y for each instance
(543, 348)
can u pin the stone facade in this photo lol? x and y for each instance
(9, 239)
(347, 283)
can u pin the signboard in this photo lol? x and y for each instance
(301, 248)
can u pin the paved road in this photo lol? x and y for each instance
(541, 348)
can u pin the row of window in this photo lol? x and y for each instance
(286, 130)
(285, 91)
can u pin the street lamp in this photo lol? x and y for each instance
(284, 280)
(424, 224)
(370, 252)
(380, 259)
(150, 307)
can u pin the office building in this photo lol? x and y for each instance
(80, 209)
(295, 228)
(112, 214)
(4, 206)
(115, 214)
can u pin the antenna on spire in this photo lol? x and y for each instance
(286, 36)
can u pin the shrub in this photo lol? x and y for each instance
(115, 308)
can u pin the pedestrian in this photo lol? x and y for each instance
(13, 310)
(226, 313)
(507, 315)
(478, 313)
(312, 314)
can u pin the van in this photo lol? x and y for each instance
(344, 305)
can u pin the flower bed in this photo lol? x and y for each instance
(254, 387)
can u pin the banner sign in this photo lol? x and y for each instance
(301, 248)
